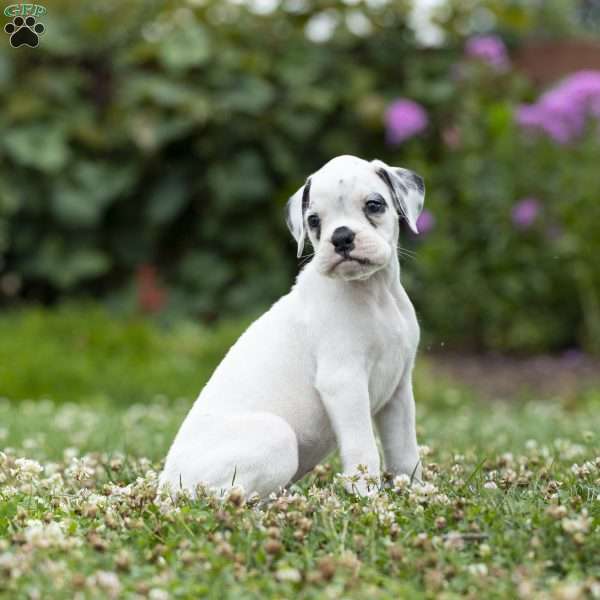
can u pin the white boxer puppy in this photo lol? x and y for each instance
(336, 352)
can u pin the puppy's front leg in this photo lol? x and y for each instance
(397, 430)
(345, 395)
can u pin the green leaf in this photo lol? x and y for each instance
(188, 45)
(41, 146)
(65, 266)
(167, 199)
(250, 95)
(83, 195)
(250, 183)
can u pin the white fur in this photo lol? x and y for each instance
(313, 371)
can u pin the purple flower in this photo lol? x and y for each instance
(525, 212)
(563, 112)
(404, 119)
(425, 222)
(489, 49)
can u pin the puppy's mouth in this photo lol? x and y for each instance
(348, 258)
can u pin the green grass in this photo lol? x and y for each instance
(84, 353)
(504, 513)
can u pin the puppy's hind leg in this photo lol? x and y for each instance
(257, 451)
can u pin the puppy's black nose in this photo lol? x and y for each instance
(342, 239)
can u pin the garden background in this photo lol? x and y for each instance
(147, 150)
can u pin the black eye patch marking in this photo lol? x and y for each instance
(375, 204)
(314, 222)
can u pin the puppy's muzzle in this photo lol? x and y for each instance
(343, 240)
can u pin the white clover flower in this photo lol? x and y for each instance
(8, 490)
(454, 541)
(80, 469)
(44, 535)
(490, 485)
(568, 591)
(97, 499)
(441, 499)
(401, 482)
(423, 493)
(556, 511)
(424, 451)
(123, 491)
(587, 468)
(288, 574)
(27, 469)
(333, 503)
(108, 581)
(151, 476)
(478, 569)
(580, 524)
(166, 505)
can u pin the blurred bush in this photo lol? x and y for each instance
(152, 146)
(510, 261)
(173, 136)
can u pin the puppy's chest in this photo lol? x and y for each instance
(387, 354)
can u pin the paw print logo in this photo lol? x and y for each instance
(24, 32)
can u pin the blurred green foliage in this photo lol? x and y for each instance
(172, 134)
(152, 133)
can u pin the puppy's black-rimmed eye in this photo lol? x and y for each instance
(313, 221)
(375, 204)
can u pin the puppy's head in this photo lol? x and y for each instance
(349, 209)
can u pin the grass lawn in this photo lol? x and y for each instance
(510, 507)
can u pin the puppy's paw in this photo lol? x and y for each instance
(408, 473)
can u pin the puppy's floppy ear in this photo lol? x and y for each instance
(407, 190)
(295, 211)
